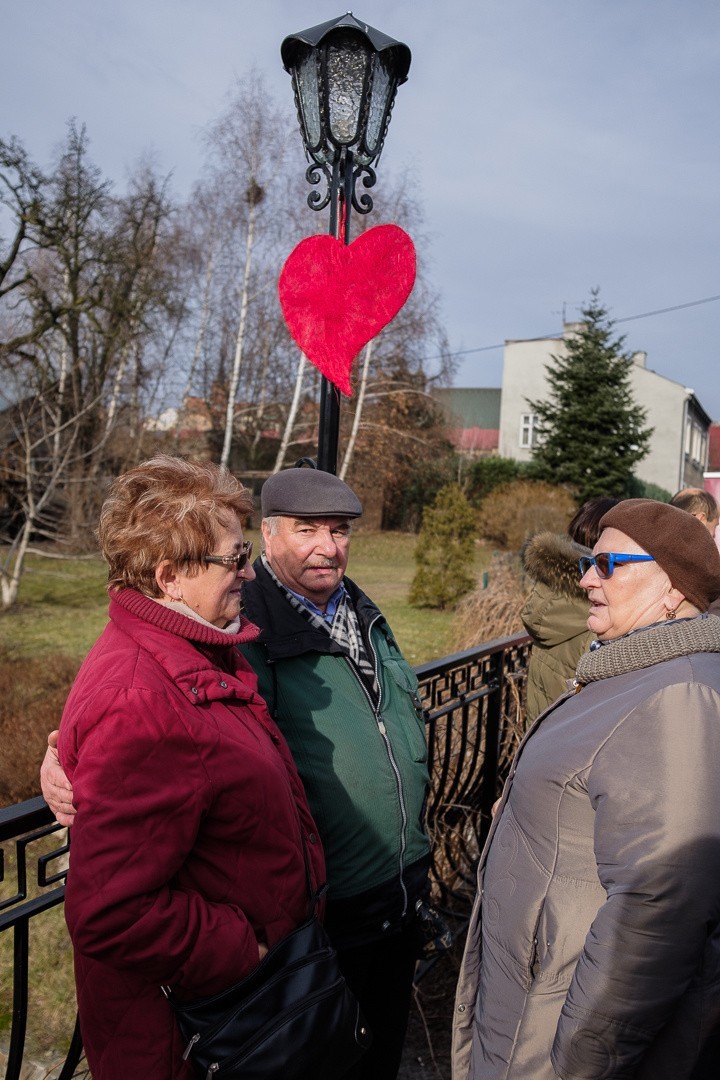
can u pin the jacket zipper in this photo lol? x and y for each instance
(377, 713)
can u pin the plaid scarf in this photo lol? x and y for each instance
(344, 630)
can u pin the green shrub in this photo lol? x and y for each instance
(416, 488)
(487, 473)
(511, 513)
(444, 553)
(643, 489)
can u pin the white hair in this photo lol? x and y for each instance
(272, 522)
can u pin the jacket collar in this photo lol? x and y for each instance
(284, 632)
(552, 560)
(202, 661)
(167, 618)
(650, 645)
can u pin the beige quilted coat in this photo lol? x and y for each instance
(594, 945)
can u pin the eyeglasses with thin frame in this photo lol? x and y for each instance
(606, 561)
(235, 562)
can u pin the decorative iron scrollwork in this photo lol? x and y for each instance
(363, 204)
(314, 174)
(344, 176)
(30, 861)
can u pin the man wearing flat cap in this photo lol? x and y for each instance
(347, 703)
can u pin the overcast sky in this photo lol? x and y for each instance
(559, 144)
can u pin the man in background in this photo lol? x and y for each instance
(702, 505)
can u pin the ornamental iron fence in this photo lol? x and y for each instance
(474, 710)
(475, 704)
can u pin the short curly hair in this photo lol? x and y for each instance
(166, 508)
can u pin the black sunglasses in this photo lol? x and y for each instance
(606, 561)
(236, 562)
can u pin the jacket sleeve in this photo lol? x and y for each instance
(141, 792)
(655, 791)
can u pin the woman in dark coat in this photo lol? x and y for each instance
(555, 609)
(593, 951)
(187, 858)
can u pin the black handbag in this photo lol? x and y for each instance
(293, 1016)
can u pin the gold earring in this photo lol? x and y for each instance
(671, 613)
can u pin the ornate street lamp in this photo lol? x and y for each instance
(345, 75)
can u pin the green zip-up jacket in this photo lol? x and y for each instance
(364, 766)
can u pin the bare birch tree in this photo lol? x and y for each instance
(246, 182)
(92, 298)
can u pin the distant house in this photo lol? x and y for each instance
(473, 418)
(684, 447)
(679, 445)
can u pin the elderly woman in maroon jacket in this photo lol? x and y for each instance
(188, 846)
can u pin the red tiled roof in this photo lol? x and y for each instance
(474, 438)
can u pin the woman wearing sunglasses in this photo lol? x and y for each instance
(594, 946)
(188, 847)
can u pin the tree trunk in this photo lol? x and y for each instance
(10, 579)
(235, 376)
(347, 457)
(280, 459)
(200, 340)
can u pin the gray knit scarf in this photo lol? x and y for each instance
(644, 647)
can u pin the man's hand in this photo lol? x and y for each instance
(56, 788)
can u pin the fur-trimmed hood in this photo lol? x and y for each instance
(552, 559)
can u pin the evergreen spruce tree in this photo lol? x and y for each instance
(591, 432)
(444, 551)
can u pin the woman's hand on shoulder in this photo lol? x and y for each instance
(56, 788)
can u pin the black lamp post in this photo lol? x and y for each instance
(345, 75)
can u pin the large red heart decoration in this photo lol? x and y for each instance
(336, 297)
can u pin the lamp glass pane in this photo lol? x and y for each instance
(347, 62)
(382, 91)
(309, 94)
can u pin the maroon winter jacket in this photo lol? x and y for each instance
(186, 848)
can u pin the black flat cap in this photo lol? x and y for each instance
(308, 493)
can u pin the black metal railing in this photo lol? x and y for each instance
(474, 703)
(475, 707)
(28, 850)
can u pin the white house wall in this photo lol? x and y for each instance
(664, 402)
(525, 377)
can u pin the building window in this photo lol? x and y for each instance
(528, 430)
(695, 443)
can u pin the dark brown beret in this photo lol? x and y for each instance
(678, 542)
(303, 492)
